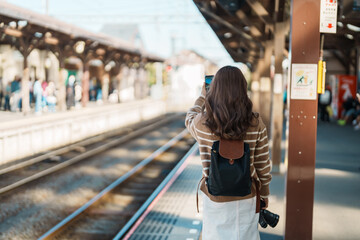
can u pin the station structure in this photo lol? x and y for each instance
(75, 49)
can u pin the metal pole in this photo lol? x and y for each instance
(304, 49)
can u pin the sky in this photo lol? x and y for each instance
(165, 25)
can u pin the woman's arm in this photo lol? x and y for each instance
(262, 162)
(195, 111)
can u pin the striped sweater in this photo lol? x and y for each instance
(256, 137)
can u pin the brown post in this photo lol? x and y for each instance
(137, 83)
(85, 84)
(62, 87)
(277, 107)
(265, 86)
(305, 47)
(25, 87)
(119, 77)
(143, 81)
(105, 85)
(255, 88)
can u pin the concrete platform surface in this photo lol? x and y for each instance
(174, 216)
(337, 187)
(337, 194)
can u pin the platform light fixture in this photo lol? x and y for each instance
(12, 24)
(349, 36)
(22, 23)
(353, 27)
(38, 34)
(228, 35)
(340, 24)
(79, 47)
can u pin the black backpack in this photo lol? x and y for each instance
(228, 176)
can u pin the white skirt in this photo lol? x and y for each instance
(234, 220)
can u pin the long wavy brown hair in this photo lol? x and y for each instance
(228, 108)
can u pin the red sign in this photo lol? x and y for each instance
(347, 88)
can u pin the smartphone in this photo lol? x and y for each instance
(208, 79)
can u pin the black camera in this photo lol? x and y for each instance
(267, 218)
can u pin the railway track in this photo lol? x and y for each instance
(20, 174)
(120, 204)
(28, 212)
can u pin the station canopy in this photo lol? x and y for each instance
(244, 26)
(47, 32)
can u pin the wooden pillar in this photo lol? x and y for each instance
(119, 78)
(62, 87)
(255, 88)
(85, 84)
(25, 87)
(304, 49)
(265, 86)
(277, 104)
(144, 88)
(105, 85)
(137, 83)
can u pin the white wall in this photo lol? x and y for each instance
(27, 136)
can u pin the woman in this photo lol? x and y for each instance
(225, 112)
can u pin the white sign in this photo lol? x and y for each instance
(328, 13)
(278, 83)
(304, 81)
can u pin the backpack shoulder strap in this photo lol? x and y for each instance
(257, 197)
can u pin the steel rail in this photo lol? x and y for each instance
(140, 214)
(66, 149)
(59, 151)
(59, 227)
(87, 154)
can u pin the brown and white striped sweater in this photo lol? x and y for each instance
(256, 137)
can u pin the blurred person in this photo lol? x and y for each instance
(38, 96)
(350, 107)
(44, 103)
(356, 121)
(92, 89)
(31, 91)
(325, 100)
(15, 94)
(70, 92)
(224, 115)
(51, 96)
(7, 94)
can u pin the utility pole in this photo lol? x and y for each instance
(304, 49)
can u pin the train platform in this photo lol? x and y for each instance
(337, 193)
(23, 136)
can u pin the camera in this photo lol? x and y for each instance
(267, 218)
